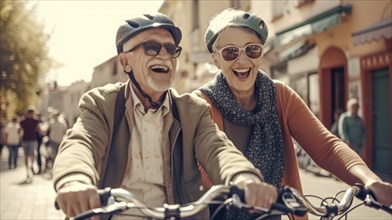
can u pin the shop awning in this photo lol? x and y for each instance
(316, 24)
(382, 29)
(296, 50)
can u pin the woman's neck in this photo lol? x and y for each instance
(246, 99)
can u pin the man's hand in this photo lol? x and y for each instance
(259, 194)
(75, 197)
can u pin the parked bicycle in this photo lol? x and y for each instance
(290, 202)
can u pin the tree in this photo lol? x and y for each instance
(24, 56)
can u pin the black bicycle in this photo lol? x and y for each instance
(290, 202)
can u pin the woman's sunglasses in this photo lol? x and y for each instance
(231, 52)
(152, 48)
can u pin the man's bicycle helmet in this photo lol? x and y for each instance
(235, 18)
(144, 22)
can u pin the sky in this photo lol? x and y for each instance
(83, 33)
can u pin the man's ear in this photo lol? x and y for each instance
(124, 62)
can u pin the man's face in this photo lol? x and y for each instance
(154, 73)
(30, 114)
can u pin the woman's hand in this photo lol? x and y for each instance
(382, 191)
(75, 197)
(260, 194)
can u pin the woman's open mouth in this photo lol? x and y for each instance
(242, 73)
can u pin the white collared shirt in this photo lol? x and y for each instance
(144, 175)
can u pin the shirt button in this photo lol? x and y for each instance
(201, 187)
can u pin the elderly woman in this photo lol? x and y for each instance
(261, 116)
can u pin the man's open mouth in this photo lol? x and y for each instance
(160, 69)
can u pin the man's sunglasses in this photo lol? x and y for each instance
(231, 52)
(152, 48)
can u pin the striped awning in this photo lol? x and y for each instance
(314, 25)
(375, 32)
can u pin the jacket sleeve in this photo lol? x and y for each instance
(84, 145)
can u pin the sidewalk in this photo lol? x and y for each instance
(21, 200)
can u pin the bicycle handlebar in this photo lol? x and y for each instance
(290, 201)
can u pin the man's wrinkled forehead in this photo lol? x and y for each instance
(156, 34)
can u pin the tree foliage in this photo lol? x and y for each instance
(24, 56)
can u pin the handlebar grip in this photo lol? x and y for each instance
(240, 192)
(282, 208)
(104, 195)
(84, 215)
(386, 209)
(362, 192)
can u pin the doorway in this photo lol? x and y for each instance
(333, 84)
(381, 121)
(337, 91)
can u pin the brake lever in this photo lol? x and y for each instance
(292, 204)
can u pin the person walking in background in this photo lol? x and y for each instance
(39, 143)
(351, 126)
(335, 125)
(262, 116)
(56, 131)
(2, 137)
(12, 140)
(29, 126)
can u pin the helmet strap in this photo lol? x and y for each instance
(152, 104)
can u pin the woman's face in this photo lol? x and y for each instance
(241, 72)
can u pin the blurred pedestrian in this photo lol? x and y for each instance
(39, 143)
(351, 126)
(2, 137)
(12, 140)
(56, 132)
(335, 124)
(29, 126)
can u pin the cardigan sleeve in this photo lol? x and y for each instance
(323, 147)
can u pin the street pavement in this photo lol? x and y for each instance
(21, 200)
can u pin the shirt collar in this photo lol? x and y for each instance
(137, 104)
